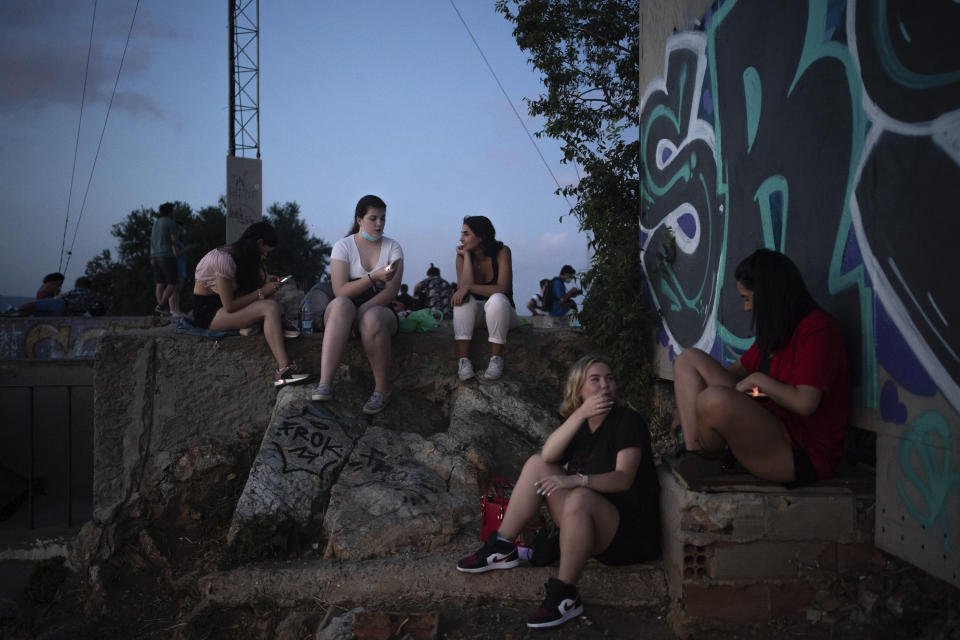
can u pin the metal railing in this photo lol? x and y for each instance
(46, 444)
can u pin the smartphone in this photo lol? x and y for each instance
(286, 279)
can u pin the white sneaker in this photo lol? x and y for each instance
(494, 368)
(465, 369)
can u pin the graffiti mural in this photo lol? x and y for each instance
(828, 130)
(58, 337)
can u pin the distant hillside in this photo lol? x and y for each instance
(12, 301)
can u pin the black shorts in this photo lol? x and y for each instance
(164, 270)
(204, 308)
(630, 546)
(803, 470)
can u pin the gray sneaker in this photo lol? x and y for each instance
(376, 403)
(494, 368)
(465, 369)
(323, 392)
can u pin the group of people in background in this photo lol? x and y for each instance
(554, 299)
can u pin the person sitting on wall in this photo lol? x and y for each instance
(404, 301)
(51, 286)
(558, 299)
(366, 268)
(782, 408)
(231, 292)
(434, 292)
(484, 291)
(79, 301)
(596, 475)
(535, 304)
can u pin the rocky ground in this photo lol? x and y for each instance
(149, 589)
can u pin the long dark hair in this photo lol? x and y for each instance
(246, 254)
(366, 202)
(483, 228)
(780, 297)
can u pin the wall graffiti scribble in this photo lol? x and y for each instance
(828, 130)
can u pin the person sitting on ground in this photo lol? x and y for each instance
(535, 305)
(231, 293)
(557, 299)
(404, 301)
(366, 268)
(51, 286)
(782, 408)
(79, 301)
(485, 290)
(597, 477)
(434, 292)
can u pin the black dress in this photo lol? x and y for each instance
(638, 536)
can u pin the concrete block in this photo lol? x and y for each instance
(763, 560)
(726, 602)
(806, 517)
(790, 597)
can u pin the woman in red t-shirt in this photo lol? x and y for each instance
(782, 408)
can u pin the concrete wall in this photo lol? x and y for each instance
(62, 336)
(829, 131)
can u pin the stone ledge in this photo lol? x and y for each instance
(427, 577)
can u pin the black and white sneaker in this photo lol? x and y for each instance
(494, 554)
(561, 604)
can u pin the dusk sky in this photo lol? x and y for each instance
(370, 96)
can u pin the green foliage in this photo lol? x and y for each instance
(589, 54)
(298, 253)
(262, 538)
(127, 283)
(45, 581)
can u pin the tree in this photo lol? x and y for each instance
(589, 54)
(298, 253)
(127, 283)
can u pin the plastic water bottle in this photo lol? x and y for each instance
(306, 317)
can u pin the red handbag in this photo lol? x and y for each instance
(493, 504)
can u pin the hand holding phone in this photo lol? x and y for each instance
(286, 279)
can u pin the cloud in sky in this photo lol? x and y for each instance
(43, 57)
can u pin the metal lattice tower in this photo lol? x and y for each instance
(244, 77)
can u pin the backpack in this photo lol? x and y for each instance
(549, 299)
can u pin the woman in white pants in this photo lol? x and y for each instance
(484, 291)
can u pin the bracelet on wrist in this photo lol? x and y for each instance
(260, 293)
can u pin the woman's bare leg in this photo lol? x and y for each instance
(587, 526)
(265, 311)
(337, 324)
(694, 371)
(525, 501)
(755, 436)
(377, 325)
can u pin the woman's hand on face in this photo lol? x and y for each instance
(459, 296)
(547, 485)
(462, 251)
(596, 405)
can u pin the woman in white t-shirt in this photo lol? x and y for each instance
(366, 269)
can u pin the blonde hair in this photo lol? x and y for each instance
(575, 379)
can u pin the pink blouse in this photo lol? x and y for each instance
(216, 263)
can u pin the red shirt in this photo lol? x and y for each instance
(814, 356)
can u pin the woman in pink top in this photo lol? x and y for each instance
(232, 293)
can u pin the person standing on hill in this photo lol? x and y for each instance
(163, 259)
